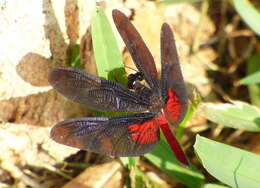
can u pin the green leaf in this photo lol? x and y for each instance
(141, 179)
(253, 71)
(166, 2)
(230, 165)
(248, 13)
(251, 79)
(191, 110)
(253, 66)
(163, 158)
(74, 56)
(107, 54)
(129, 162)
(211, 185)
(238, 115)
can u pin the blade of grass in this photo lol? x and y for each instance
(232, 166)
(163, 158)
(253, 70)
(253, 78)
(211, 185)
(238, 115)
(130, 162)
(77, 165)
(74, 57)
(107, 54)
(253, 65)
(249, 14)
(191, 110)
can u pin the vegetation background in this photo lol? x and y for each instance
(219, 51)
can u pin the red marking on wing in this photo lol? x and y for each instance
(161, 119)
(173, 106)
(145, 133)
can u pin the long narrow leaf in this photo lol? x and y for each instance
(74, 59)
(107, 54)
(193, 106)
(232, 166)
(249, 14)
(163, 158)
(211, 185)
(251, 79)
(238, 115)
(253, 70)
(253, 66)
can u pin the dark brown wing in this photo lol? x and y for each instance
(140, 53)
(173, 86)
(95, 93)
(121, 136)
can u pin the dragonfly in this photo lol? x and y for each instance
(157, 104)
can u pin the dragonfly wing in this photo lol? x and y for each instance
(89, 90)
(141, 55)
(173, 86)
(130, 135)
